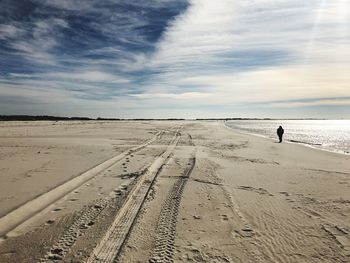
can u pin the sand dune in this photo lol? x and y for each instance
(175, 191)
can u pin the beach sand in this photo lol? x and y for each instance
(167, 191)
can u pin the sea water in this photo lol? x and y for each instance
(333, 135)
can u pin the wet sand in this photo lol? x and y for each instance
(166, 191)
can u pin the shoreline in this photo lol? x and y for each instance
(305, 144)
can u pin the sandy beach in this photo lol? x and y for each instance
(167, 191)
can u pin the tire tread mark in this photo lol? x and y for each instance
(77, 229)
(109, 247)
(166, 228)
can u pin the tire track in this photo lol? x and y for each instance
(33, 207)
(166, 228)
(87, 218)
(109, 247)
(76, 230)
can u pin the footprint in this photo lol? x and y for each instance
(50, 222)
(123, 187)
(117, 191)
(91, 223)
(57, 209)
(284, 193)
(246, 232)
(224, 218)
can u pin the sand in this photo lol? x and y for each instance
(167, 191)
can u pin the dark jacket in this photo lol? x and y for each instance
(280, 131)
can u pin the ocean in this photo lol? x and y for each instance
(332, 135)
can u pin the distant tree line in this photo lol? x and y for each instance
(231, 119)
(56, 118)
(39, 118)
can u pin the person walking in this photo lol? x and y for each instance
(280, 132)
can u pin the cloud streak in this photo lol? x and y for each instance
(243, 53)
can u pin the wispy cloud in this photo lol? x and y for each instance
(254, 52)
(87, 76)
(89, 50)
(10, 31)
(342, 101)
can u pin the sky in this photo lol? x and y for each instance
(175, 58)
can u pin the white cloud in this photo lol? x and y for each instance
(179, 96)
(87, 76)
(10, 31)
(37, 47)
(75, 5)
(285, 83)
(323, 102)
(254, 52)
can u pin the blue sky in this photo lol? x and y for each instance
(175, 58)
